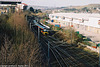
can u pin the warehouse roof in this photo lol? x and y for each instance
(93, 19)
(77, 15)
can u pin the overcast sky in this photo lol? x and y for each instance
(60, 3)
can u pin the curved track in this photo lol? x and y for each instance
(64, 55)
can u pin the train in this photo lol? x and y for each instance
(44, 29)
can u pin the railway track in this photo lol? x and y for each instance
(86, 59)
(67, 59)
(64, 55)
(83, 57)
(56, 53)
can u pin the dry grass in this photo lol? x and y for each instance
(22, 47)
(18, 20)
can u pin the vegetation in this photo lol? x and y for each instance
(65, 35)
(90, 8)
(73, 9)
(18, 45)
(68, 36)
(35, 10)
(85, 9)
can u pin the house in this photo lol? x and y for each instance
(7, 6)
(21, 7)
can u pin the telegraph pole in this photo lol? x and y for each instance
(38, 34)
(71, 34)
(71, 30)
(30, 25)
(48, 54)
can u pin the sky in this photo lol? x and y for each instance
(60, 3)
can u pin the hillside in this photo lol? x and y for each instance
(88, 6)
(18, 45)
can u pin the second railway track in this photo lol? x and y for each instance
(64, 55)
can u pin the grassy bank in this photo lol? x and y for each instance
(18, 45)
(65, 35)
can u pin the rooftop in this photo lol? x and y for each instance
(11, 0)
(25, 4)
(78, 15)
(93, 19)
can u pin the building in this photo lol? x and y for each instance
(9, 3)
(13, 2)
(81, 22)
(7, 6)
(21, 7)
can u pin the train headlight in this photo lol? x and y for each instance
(45, 30)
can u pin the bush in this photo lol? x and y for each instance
(18, 44)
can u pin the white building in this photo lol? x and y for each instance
(89, 22)
(7, 6)
(86, 24)
(21, 7)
